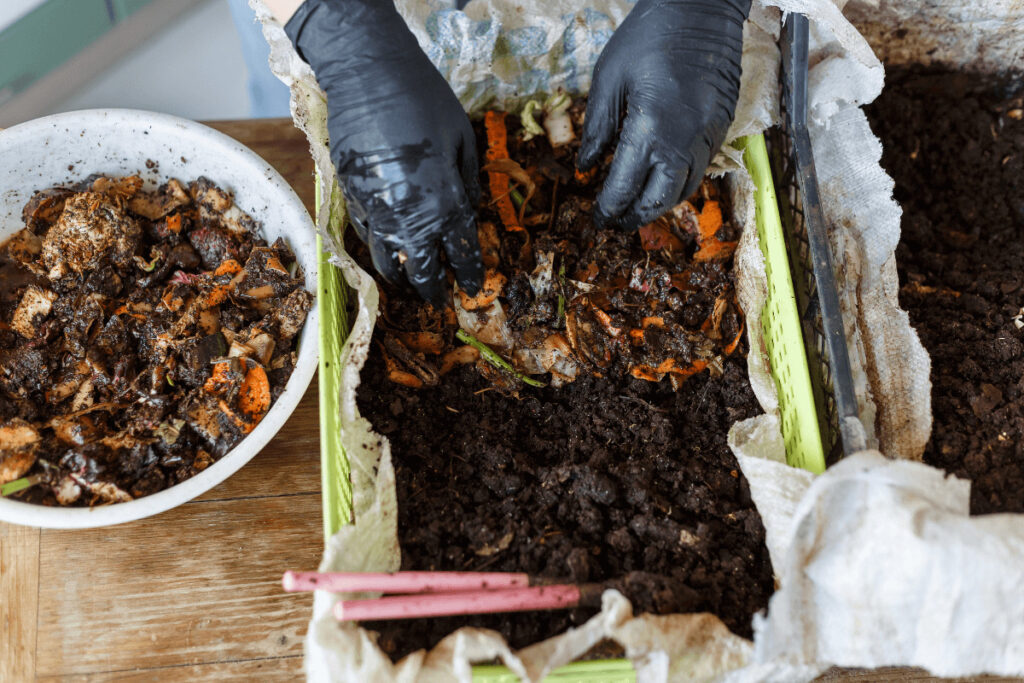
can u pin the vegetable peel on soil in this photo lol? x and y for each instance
(13, 487)
(146, 334)
(678, 278)
(557, 122)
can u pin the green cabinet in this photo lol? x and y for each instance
(52, 34)
(125, 8)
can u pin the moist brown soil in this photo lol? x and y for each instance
(618, 481)
(954, 143)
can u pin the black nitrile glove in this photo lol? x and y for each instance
(673, 66)
(401, 142)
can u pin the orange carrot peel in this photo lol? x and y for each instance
(227, 267)
(399, 376)
(709, 222)
(497, 151)
(423, 342)
(494, 282)
(254, 394)
(735, 342)
(462, 355)
(219, 379)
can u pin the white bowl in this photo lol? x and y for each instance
(69, 147)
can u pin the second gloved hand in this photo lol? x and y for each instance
(402, 145)
(673, 68)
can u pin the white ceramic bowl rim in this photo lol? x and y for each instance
(122, 141)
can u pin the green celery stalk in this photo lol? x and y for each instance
(494, 359)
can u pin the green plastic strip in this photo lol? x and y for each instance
(335, 481)
(780, 321)
(595, 671)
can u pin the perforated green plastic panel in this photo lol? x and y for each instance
(596, 671)
(335, 482)
(780, 321)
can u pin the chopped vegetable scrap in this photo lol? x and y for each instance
(142, 336)
(561, 297)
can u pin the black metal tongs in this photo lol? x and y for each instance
(810, 253)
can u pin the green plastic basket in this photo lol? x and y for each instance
(780, 321)
(783, 340)
(335, 482)
(596, 671)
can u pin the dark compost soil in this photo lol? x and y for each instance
(612, 480)
(597, 481)
(954, 143)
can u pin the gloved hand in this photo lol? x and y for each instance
(675, 67)
(402, 145)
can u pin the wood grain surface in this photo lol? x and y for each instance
(194, 593)
(198, 584)
(19, 592)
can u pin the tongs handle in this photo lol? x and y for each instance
(794, 48)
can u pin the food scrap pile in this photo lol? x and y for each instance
(142, 335)
(562, 297)
(570, 420)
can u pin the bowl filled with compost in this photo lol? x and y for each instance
(157, 325)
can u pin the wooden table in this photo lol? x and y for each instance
(193, 593)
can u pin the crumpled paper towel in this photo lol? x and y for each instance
(796, 641)
(885, 566)
(980, 35)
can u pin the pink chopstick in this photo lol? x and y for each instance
(468, 602)
(402, 582)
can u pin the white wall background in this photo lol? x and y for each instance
(192, 68)
(12, 10)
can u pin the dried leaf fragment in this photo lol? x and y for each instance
(658, 235)
(503, 543)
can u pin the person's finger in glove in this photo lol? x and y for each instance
(673, 68)
(401, 143)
